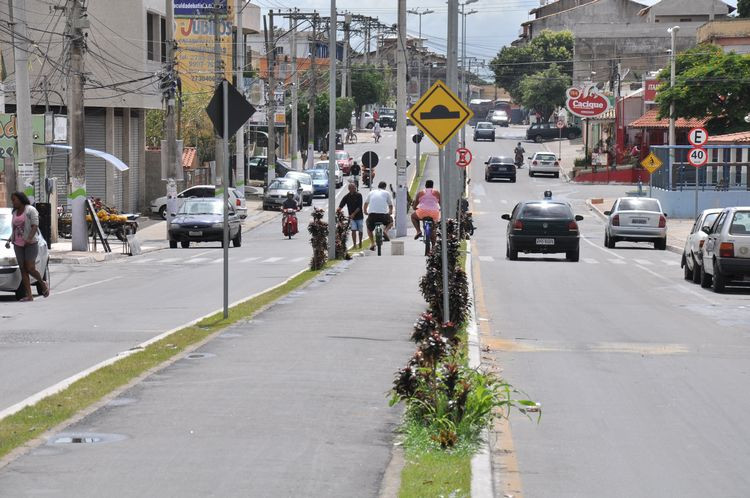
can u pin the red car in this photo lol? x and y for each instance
(345, 161)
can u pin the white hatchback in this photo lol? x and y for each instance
(726, 252)
(691, 256)
(10, 274)
(544, 162)
(636, 219)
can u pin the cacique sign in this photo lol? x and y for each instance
(586, 101)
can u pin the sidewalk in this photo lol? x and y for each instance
(570, 151)
(677, 229)
(291, 403)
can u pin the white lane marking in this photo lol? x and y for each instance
(617, 262)
(247, 260)
(141, 261)
(90, 284)
(297, 260)
(271, 260)
(170, 260)
(487, 259)
(503, 201)
(201, 253)
(217, 260)
(643, 262)
(611, 253)
(590, 261)
(196, 260)
(670, 262)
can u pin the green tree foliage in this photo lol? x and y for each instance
(544, 91)
(513, 63)
(344, 109)
(154, 127)
(708, 83)
(368, 85)
(197, 130)
(743, 8)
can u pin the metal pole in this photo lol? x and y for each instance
(295, 98)
(218, 76)
(463, 67)
(345, 62)
(444, 204)
(239, 162)
(170, 125)
(311, 96)
(225, 186)
(332, 133)
(672, 140)
(401, 207)
(271, 99)
(697, 176)
(451, 189)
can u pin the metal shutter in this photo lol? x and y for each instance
(136, 142)
(117, 176)
(57, 167)
(94, 129)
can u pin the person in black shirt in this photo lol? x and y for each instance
(289, 202)
(355, 172)
(353, 203)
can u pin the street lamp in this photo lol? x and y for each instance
(424, 12)
(672, 140)
(463, 91)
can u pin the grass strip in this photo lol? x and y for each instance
(418, 177)
(34, 420)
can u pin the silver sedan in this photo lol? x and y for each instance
(636, 219)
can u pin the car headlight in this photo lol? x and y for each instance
(9, 261)
(218, 225)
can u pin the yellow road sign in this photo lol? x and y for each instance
(440, 114)
(651, 162)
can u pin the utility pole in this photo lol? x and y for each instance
(367, 43)
(239, 162)
(271, 98)
(452, 193)
(311, 95)
(345, 62)
(295, 86)
(23, 94)
(170, 125)
(77, 172)
(401, 207)
(673, 69)
(332, 132)
(463, 90)
(218, 74)
(424, 12)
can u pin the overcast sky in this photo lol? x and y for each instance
(496, 23)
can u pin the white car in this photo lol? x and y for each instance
(339, 173)
(726, 252)
(159, 205)
(692, 256)
(10, 274)
(636, 219)
(305, 181)
(367, 120)
(544, 162)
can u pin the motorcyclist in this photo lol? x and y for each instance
(290, 202)
(519, 151)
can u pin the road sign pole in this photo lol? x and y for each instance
(650, 184)
(225, 186)
(444, 203)
(697, 175)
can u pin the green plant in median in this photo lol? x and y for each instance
(319, 239)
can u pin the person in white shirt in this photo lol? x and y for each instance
(379, 208)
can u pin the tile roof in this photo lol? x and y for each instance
(741, 137)
(651, 120)
(189, 156)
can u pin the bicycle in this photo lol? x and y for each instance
(379, 236)
(351, 137)
(427, 224)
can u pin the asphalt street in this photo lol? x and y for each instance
(98, 310)
(642, 376)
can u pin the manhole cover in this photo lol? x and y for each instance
(199, 356)
(85, 438)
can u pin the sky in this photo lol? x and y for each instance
(496, 23)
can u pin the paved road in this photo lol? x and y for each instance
(641, 374)
(99, 310)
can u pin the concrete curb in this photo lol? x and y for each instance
(603, 217)
(481, 462)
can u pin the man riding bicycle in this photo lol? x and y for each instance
(426, 205)
(355, 172)
(379, 208)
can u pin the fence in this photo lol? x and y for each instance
(726, 169)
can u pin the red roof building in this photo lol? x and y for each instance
(650, 120)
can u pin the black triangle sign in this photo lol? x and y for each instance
(240, 110)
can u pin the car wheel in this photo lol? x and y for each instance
(696, 272)
(237, 241)
(705, 279)
(572, 135)
(163, 212)
(370, 126)
(611, 241)
(573, 255)
(173, 244)
(557, 175)
(538, 139)
(511, 252)
(309, 201)
(531, 174)
(661, 244)
(265, 207)
(719, 281)
(493, 139)
(185, 244)
(45, 278)
(486, 177)
(687, 272)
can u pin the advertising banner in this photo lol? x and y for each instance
(198, 8)
(650, 90)
(587, 101)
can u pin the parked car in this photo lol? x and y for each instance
(159, 205)
(636, 219)
(692, 256)
(10, 273)
(387, 118)
(544, 162)
(202, 220)
(305, 181)
(366, 120)
(726, 252)
(545, 227)
(320, 181)
(275, 194)
(539, 132)
(500, 167)
(484, 131)
(500, 118)
(257, 169)
(344, 161)
(339, 173)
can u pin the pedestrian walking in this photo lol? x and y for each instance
(25, 239)
(353, 202)
(379, 208)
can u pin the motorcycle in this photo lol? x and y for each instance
(366, 180)
(519, 161)
(289, 224)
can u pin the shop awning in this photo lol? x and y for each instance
(113, 160)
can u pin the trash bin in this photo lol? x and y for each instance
(45, 220)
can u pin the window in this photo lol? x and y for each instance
(639, 205)
(740, 223)
(686, 19)
(546, 210)
(150, 39)
(716, 227)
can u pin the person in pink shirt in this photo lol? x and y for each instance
(25, 239)
(426, 205)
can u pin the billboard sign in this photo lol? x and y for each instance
(195, 52)
(650, 87)
(198, 8)
(587, 101)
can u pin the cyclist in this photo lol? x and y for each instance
(376, 132)
(353, 202)
(426, 205)
(379, 208)
(355, 172)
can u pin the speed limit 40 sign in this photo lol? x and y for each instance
(697, 157)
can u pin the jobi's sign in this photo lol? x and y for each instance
(586, 101)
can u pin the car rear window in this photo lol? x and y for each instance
(740, 223)
(201, 207)
(483, 126)
(639, 205)
(546, 157)
(283, 184)
(546, 210)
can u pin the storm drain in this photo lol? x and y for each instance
(85, 438)
(199, 356)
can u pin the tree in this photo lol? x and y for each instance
(154, 127)
(513, 63)
(743, 8)
(709, 83)
(544, 91)
(368, 85)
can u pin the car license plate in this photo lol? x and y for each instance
(545, 242)
(639, 221)
(195, 233)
